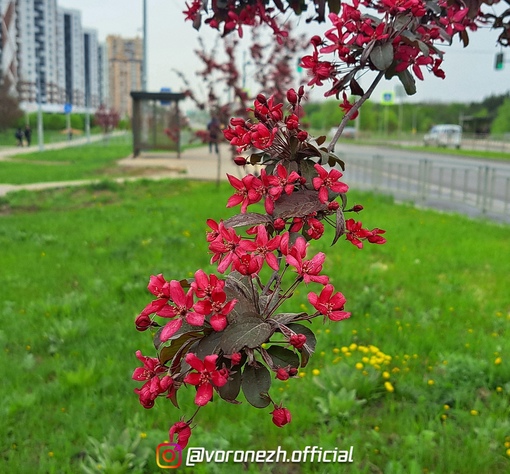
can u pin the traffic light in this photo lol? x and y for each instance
(498, 65)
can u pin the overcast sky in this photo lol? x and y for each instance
(470, 73)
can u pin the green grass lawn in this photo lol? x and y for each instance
(430, 315)
(92, 161)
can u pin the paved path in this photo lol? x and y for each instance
(195, 163)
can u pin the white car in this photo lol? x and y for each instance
(444, 135)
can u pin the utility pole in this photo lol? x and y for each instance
(40, 132)
(144, 61)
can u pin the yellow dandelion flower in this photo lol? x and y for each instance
(344, 349)
(373, 349)
(474, 412)
(316, 372)
(395, 370)
(302, 374)
(386, 375)
(354, 331)
(353, 346)
(499, 389)
(376, 428)
(143, 435)
(508, 452)
(322, 353)
(446, 407)
(431, 382)
(376, 366)
(365, 360)
(507, 444)
(444, 417)
(327, 330)
(365, 373)
(359, 365)
(336, 360)
(498, 361)
(336, 350)
(389, 387)
(51, 454)
(348, 354)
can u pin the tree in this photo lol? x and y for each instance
(501, 123)
(10, 113)
(106, 118)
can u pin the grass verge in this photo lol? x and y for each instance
(417, 380)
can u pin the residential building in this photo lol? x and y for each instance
(103, 76)
(125, 71)
(8, 43)
(91, 68)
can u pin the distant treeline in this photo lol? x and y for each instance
(490, 116)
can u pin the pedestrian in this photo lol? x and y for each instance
(214, 133)
(19, 137)
(28, 134)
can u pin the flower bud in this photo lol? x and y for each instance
(235, 358)
(240, 160)
(297, 340)
(282, 374)
(279, 224)
(357, 208)
(281, 416)
(302, 135)
(292, 96)
(301, 91)
(261, 98)
(316, 40)
(333, 206)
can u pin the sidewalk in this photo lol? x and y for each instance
(195, 163)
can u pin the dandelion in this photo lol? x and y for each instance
(353, 346)
(344, 349)
(431, 382)
(389, 387)
(507, 444)
(354, 332)
(359, 365)
(395, 370)
(508, 452)
(444, 417)
(143, 435)
(28, 348)
(376, 428)
(499, 389)
(336, 350)
(386, 375)
(498, 361)
(316, 372)
(302, 374)
(474, 412)
(51, 454)
(322, 353)
(446, 407)
(327, 330)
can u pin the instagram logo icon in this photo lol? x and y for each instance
(168, 455)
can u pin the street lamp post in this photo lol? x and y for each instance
(40, 132)
(144, 63)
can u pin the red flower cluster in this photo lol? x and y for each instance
(173, 303)
(219, 333)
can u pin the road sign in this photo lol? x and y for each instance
(68, 108)
(165, 89)
(387, 98)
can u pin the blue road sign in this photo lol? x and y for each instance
(68, 108)
(165, 89)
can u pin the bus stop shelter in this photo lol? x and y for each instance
(156, 121)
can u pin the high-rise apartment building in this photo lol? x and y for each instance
(8, 43)
(125, 71)
(49, 58)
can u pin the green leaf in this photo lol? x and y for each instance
(407, 80)
(209, 344)
(250, 332)
(250, 218)
(168, 353)
(311, 342)
(382, 56)
(239, 287)
(256, 382)
(340, 225)
(231, 389)
(284, 318)
(283, 357)
(185, 328)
